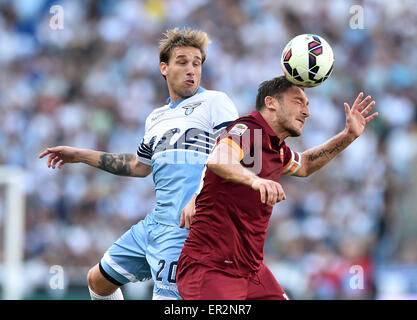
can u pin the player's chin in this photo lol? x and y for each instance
(296, 132)
(188, 92)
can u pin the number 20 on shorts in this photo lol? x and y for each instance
(171, 272)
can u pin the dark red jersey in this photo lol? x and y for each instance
(229, 228)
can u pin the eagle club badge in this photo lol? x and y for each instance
(189, 108)
(238, 129)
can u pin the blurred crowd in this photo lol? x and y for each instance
(92, 84)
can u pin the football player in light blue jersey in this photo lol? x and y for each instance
(178, 138)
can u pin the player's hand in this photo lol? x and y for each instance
(60, 155)
(271, 191)
(188, 213)
(357, 116)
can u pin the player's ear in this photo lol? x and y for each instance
(163, 67)
(271, 103)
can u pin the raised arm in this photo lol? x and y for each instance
(118, 164)
(356, 120)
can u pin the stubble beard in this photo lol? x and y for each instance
(290, 129)
(186, 93)
(294, 133)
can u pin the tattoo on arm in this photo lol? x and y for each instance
(325, 152)
(118, 164)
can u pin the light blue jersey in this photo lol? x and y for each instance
(178, 139)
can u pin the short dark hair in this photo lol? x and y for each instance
(274, 88)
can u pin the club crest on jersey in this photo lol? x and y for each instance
(238, 129)
(189, 108)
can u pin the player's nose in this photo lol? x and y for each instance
(306, 111)
(190, 70)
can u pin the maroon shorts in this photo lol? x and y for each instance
(200, 282)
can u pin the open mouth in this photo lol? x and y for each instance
(302, 122)
(189, 82)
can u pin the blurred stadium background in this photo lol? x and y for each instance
(92, 84)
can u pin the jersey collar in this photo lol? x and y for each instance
(260, 119)
(175, 104)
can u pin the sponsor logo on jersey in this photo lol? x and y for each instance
(238, 129)
(157, 116)
(192, 139)
(189, 108)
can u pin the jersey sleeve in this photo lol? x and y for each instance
(222, 111)
(241, 136)
(292, 161)
(144, 151)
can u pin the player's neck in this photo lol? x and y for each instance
(281, 133)
(272, 121)
(174, 97)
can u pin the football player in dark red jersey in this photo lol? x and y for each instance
(223, 255)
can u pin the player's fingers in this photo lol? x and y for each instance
(182, 219)
(262, 191)
(272, 194)
(52, 163)
(364, 102)
(192, 216)
(358, 99)
(368, 108)
(51, 156)
(277, 196)
(276, 193)
(371, 117)
(281, 195)
(268, 194)
(60, 164)
(347, 109)
(55, 161)
(56, 149)
(187, 222)
(44, 153)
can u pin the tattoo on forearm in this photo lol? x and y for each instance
(325, 152)
(116, 163)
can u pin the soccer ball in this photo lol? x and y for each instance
(307, 60)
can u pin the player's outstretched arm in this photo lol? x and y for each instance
(225, 162)
(119, 164)
(356, 120)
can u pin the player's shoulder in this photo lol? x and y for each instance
(214, 94)
(242, 125)
(245, 122)
(156, 113)
(159, 110)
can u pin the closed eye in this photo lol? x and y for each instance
(301, 101)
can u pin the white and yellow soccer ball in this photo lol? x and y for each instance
(307, 60)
